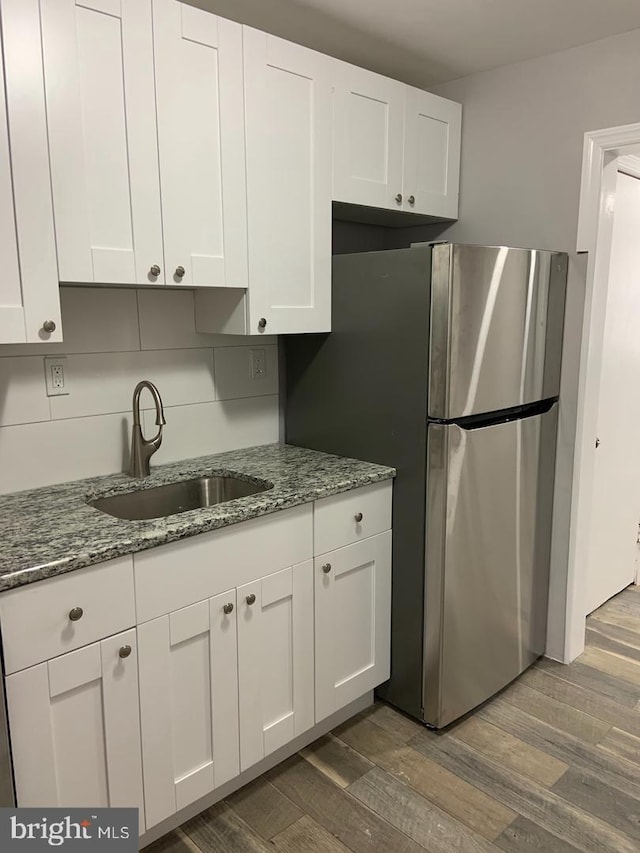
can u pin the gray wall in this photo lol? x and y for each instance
(522, 136)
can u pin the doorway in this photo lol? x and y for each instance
(602, 152)
(615, 513)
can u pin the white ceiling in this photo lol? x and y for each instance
(425, 42)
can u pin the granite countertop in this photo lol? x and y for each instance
(52, 530)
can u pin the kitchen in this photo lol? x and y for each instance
(216, 395)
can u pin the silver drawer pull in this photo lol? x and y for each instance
(228, 608)
(358, 517)
(76, 613)
(251, 599)
(326, 568)
(124, 651)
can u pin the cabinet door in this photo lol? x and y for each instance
(75, 728)
(368, 116)
(275, 660)
(29, 283)
(288, 132)
(188, 704)
(198, 61)
(352, 622)
(431, 154)
(101, 117)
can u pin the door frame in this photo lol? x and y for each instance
(601, 151)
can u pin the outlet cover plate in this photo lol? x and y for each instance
(56, 376)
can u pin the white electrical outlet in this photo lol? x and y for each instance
(55, 371)
(258, 364)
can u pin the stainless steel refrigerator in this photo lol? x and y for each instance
(444, 361)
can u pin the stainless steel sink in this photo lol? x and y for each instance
(161, 501)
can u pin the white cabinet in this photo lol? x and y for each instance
(224, 682)
(188, 703)
(129, 193)
(233, 657)
(431, 154)
(288, 132)
(198, 70)
(75, 728)
(368, 137)
(29, 297)
(98, 57)
(394, 147)
(352, 621)
(275, 661)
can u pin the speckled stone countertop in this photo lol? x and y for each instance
(52, 530)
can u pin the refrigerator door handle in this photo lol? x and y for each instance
(435, 538)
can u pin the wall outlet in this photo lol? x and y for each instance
(55, 371)
(258, 364)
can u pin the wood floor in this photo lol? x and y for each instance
(551, 765)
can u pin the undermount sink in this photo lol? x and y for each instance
(161, 501)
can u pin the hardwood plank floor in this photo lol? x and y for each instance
(552, 765)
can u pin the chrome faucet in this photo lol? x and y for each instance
(142, 449)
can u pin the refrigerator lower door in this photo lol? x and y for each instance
(488, 535)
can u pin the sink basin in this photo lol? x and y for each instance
(161, 501)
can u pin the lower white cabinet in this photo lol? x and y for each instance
(188, 704)
(190, 698)
(275, 661)
(352, 621)
(75, 728)
(223, 683)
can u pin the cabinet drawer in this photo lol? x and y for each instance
(351, 516)
(36, 623)
(182, 573)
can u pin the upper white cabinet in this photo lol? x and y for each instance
(368, 137)
(394, 147)
(146, 134)
(151, 142)
(432, 128)
(288, 133)
(29, 298)
(198, 69)
(98, 57)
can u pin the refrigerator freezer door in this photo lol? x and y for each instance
(489, 496)
(496, 328)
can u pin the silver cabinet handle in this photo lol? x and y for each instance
(326, 568)
(411, 199)
(399, 198)
(155, 271)
(358, 517)
(49, 326)
(251, 599)
(179, 272)
(124, 651)
(76, 613)
(262, 323)
(228, 608)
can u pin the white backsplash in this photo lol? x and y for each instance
(113, 338)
